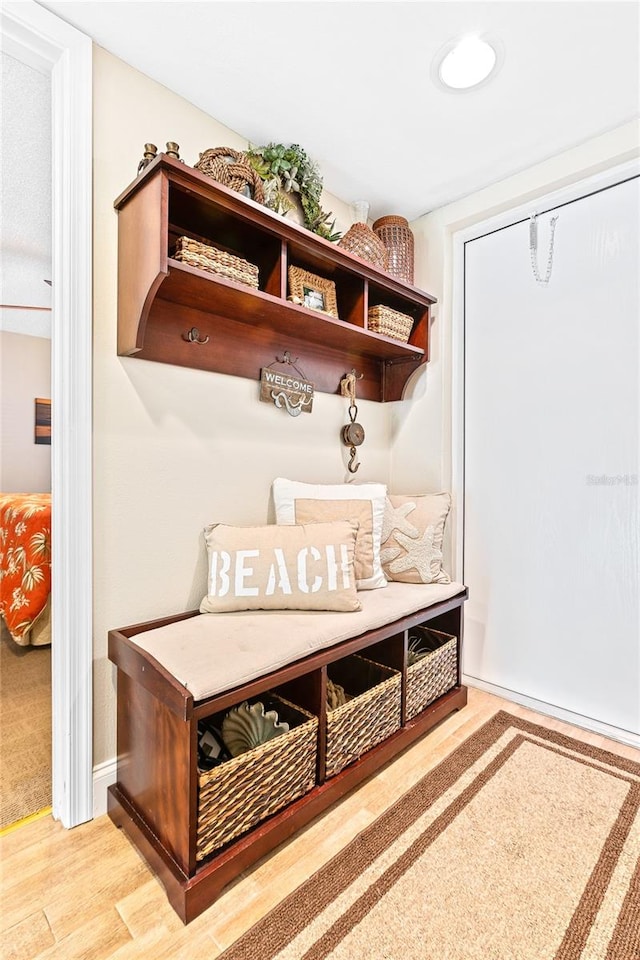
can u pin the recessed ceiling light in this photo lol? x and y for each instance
(466, 63)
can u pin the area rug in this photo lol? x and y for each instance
(25, 729)
(522, 845)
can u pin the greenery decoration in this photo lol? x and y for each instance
(287, 171)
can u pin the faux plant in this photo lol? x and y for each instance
(287, 171)
(416, 650)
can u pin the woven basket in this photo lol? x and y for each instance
(390, 323)
(398, 240)
(435, 673)
(241, 792)
(231, 168)
(212, 260)
(371, 716)
(361, 240)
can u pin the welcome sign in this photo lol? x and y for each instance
(286, 390)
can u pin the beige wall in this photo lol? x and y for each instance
(175, 448)
(25, 373)
(421, 427)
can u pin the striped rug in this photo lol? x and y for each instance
(523, 844)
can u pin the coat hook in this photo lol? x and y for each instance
(193, 336)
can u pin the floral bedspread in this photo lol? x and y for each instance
(25, 560)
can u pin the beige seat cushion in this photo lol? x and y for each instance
(213, 652)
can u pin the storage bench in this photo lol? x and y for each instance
(176, 672)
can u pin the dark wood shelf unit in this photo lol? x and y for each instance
(161, 299)
(155, 799)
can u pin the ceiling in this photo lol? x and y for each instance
(350, 81)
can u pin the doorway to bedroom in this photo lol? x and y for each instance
(25, 444)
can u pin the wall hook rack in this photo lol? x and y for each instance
(193, 336)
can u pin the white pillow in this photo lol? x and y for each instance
(297, 502)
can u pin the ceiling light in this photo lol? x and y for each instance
(466, 62)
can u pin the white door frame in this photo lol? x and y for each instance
(542, 204)
(37, 37)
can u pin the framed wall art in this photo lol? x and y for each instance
(43, 421)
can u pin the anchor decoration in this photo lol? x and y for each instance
(293, 408)
(290, 391)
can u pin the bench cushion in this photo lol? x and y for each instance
(214, 652)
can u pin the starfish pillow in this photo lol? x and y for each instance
(412, 534)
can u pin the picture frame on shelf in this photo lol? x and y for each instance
(313, 292)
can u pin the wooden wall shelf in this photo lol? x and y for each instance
(160, 299)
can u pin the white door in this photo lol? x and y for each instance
(551, 524)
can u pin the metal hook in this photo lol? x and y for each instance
(286, 358)
(193, 336)
(354, 374)
(352, 465)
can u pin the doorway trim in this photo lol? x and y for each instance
(43, 41)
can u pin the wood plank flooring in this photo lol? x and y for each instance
(85, 894)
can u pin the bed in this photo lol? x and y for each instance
(25, 566)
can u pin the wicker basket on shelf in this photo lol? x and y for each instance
(395, 234)
(390, 323)
(225, 264)
(239, 793)
(370, 715)
(361, 240)
(231, 168)
(434, 673)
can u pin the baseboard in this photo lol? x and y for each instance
(551, 710)
(104, 775)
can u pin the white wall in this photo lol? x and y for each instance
(25, 165)
(25, 258)
(25, 373)
(421, 427)
(175, 448)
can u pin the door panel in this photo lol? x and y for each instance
(551, 460)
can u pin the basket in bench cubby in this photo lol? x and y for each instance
(434, 672)
(242, 791)
(370, 715)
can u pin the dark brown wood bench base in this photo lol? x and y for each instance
(155, 798)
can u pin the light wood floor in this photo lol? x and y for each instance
(85, 894)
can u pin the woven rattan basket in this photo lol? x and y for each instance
(434, 674)
(212, 260)
(398, 240)
(370, 716)
(231, 168)
(241, 792)
(390, 323)
(361, 240)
